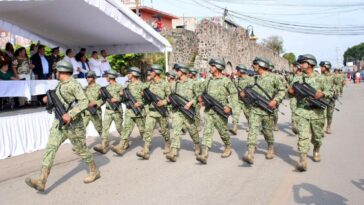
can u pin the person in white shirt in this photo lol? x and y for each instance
(83, 66)
(69, 57)
(95, 64)
(105, 65)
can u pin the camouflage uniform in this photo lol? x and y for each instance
(69, 92)
(334, 84)
(187, 90)
(293, 104)
(260, 119)
(220, 89)
(311, 121)
(112, 115)
(92, 93)
(242, 82)
(131, 119)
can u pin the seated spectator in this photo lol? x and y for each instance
(83, 66)
(105, 65)
(95, 64)
(21, 65)
(5, 73)
(80, 53)
(69, 57)
(41, 70)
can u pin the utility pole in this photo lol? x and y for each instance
(224, 17)
(337, 57)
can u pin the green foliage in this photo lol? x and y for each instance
(354, 53)
(121, 63)
(275, 43)
(290, 57)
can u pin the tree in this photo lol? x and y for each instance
(122, 62)
(290, 57)
(354, 53)
(275, 43)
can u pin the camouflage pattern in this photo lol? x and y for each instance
(310, 122)
(69, 91)
(187, 90)
(136, 88)
(162, 90)
(242, 82)
(260, 119)
(293, 103)
(92, 94)
(333, 83)
(283, 81)
(220, 88)
(112, 115)
(198, 87)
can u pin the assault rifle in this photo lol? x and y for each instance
(178, 102)
(54, 102)
(305, 91)
(248, 101)
(106, 96)
(129, 101)
(153, 99)
(258, 99)
(92, 110)
(211, 103)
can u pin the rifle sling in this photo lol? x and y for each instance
(260, 88)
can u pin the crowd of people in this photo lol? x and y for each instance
(17, 65)
(179, 99)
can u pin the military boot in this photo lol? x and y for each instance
(121, 147)
(328, 129)
(234, 130)
(39, 184)
(249, 156)
(102, 148)
(197, 149)
(93, 173)
(227, 152)
(270, 152)
(167, 147)
(302, 164)
(172, 155)
(203, 156)
(144, 153)
(316, 154)
(276, 127)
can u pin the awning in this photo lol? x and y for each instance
(93, 24)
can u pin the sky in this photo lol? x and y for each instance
(322, 13)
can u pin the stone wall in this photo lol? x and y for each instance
(211, 40)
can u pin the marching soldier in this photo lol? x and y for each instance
(220, 88)
(185, 88)
(110, 115)
(292, 99)
(242, 80)
(92, 93)
(136, 88)
(272, 88)
(68, 91)
(160, 88)
(333, 83)
(311, 120)
(198, 83)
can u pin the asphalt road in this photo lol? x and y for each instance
(338, 179)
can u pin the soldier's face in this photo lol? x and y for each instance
(90, 80)
(179, 73)
(304, 66)
(255, 67)
(129, 76)
(213, 69)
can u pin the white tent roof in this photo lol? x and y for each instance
(93, 24)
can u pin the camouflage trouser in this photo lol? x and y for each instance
(129, 124)
(198, 116)
(259, 123)
(309, 128)
(275, 117)
(95, 119)
(293, 105)
(76, 135)
(150, 123)
(110, 116)
(180, 121)
(330, 113)
(236, 113)
(214, 120)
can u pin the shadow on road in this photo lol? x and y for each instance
(310, 194)
(100, 160)
(359, 184)
(286, 128)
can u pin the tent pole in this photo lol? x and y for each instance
(166, 60)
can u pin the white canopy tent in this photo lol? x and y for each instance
(92, 24)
